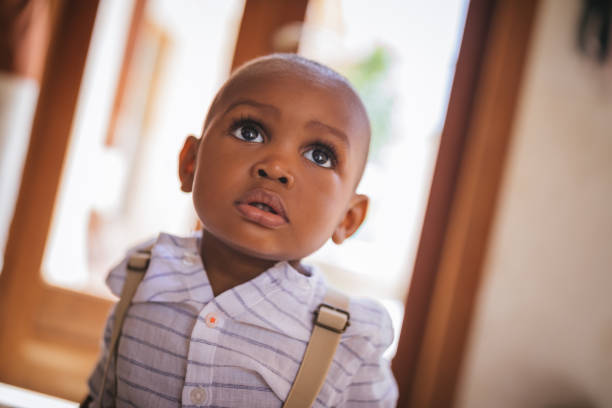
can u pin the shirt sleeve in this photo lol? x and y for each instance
(114, 281)
(373, 385)
(95, 379)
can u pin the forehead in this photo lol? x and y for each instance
(311, 92)
(300, 95)
(307, 93)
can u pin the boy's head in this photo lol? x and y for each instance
(283, 148)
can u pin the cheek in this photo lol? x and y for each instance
(200, 203)
(216, 167)
(210, 187)
(329, 192)
(322, 205)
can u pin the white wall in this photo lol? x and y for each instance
(542, 335)
(17, 103)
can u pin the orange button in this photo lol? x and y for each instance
(211, 320)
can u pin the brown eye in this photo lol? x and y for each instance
(321, 156)
(248, 133)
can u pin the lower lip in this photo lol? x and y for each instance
(261, 217)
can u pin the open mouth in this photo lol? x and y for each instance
(263, 207)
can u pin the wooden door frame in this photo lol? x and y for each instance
(29, 343)
(261, 21)
(462, 201)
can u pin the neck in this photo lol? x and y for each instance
(227, 267)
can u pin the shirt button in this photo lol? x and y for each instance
(190, 259)
(198, 395)
(211, 320)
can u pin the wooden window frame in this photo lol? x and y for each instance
(261, 20)
(462, 201)
(42, 349)
(136, 26)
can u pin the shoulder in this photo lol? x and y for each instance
(163, 242)
(116, 277)
(360, 368)
(371, 381)
(370, 320)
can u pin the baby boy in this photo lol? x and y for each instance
(222, 319)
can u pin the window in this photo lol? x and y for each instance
(401, 57)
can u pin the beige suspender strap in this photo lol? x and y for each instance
(136, 268)
(331, 320)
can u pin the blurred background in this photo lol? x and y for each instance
(119, 181)
(141, 79)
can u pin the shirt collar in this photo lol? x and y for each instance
(176, 274)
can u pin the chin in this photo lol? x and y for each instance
(267, 252)
(271, 252)
(255, 246)
(257, 242)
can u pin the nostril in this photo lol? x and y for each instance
(262, 173)
(283, 180)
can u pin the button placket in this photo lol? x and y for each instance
(202, 352)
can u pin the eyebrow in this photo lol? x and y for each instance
(336, 132)
(276, 112)
(249, 102)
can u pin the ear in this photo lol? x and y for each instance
(353, 218)
(187, 162)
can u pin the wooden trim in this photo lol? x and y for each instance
(136, 25)
(462, 201)
(21, 285)
(261, 20)
(85, 311)
(24, 34)
(451, 148)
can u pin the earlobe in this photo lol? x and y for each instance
(187, 162)
(353, 218)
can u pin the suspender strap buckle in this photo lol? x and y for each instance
(139, 261)
(332, 318)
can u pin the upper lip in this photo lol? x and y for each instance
(270, 198)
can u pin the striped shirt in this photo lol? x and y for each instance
(182, 346)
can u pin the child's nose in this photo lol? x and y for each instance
(274, 171)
